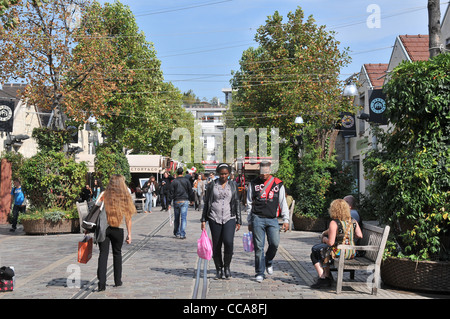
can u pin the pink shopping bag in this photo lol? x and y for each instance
(204, 246)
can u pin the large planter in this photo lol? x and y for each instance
(406, 274)
(43, 226)
(309, 224)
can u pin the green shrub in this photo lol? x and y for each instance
(110, 159)
(52, 179)
(410, 174)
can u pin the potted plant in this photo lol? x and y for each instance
(52, 181)
(51, 221)
(410, 176)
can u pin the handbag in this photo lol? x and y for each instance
(204, 246)
(90, 222)
(6, 279)
(85, 250)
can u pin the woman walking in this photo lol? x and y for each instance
(223, 212)
(149, 189)
(117, 205)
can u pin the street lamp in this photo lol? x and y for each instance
(350, 89)
(299, 120)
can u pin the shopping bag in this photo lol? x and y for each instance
(247, 240)
(85, 250)
(204, 246)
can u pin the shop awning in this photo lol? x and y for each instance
(138, 163)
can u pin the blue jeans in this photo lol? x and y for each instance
(180, 209)
(148, 202)
(262, 226)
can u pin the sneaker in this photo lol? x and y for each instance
(259, 278)
(269, 270)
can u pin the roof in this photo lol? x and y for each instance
(376, 73)
(9, 91)
(416, 46)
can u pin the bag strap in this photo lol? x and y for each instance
(270, 182)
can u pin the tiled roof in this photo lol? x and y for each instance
(376, 72)
(416, 46)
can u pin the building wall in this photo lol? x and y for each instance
(26, 119)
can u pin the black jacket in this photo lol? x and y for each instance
(235, 203)
(180, 189)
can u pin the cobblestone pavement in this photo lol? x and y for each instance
(159, 266)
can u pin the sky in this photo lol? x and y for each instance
(200, 42)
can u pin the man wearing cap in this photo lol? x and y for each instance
(266, 201)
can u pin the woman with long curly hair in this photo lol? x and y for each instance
(342, 229)
(118, 205)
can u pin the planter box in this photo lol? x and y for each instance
(433, 276)
(309, 224)
(43, 226)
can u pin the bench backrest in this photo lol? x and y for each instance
(374, 236)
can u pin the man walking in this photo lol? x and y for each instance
(266, 201)
(180, 193)
(18, 200)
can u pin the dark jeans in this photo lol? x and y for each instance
(222, 234)
(114, 235)
(15, 214)
(163, 199)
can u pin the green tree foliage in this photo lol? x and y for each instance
(109, 160)
(294, 71)
(410, 174)
(150, 109)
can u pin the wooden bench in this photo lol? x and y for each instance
(373, 243)
(83, 210)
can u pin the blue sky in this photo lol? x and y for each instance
(200, 42)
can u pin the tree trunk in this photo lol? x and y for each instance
(434, 27)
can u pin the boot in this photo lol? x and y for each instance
(219, 266)
(226, 265)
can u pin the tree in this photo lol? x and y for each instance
(434, 27)
(68, 68)
(149, 109)
(294, 71)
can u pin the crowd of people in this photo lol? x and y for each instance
(219, 200)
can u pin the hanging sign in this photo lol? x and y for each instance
(377, 107)
(6, 115)
(348, 125)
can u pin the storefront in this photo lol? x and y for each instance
(141, 166)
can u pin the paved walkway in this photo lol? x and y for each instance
(159, 266)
